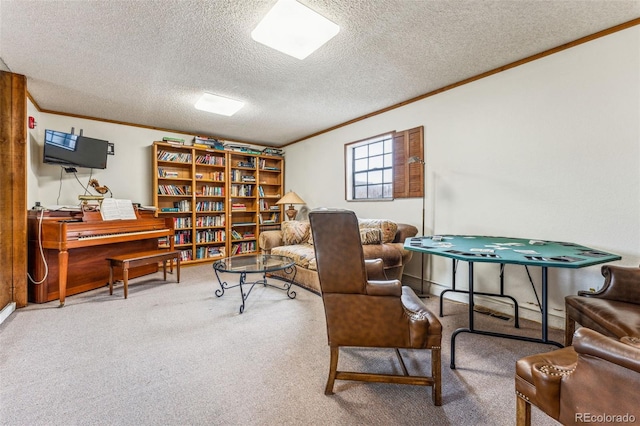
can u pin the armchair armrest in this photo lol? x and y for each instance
(375, 269)
(547, 380)
(621, 284)
(269, 240)
(418, 314)
(624, 352)
(384, 288)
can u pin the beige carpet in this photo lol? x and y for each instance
(175, 354)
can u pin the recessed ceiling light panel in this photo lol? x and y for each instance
(294, 29)
(218, 104)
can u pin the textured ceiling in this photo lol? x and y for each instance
(147, 62)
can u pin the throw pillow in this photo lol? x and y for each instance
(370, 235)
(295, 232)
(388, 227)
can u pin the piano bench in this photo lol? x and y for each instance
(132, 260)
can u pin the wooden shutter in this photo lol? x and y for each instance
(408, 179)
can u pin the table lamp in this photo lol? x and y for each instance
(291, 198)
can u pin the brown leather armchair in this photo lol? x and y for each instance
(614, 310)
(594, 381)
(365, 313)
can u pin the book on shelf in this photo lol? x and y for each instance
(174, 140)
(207, 142)
(273, 151)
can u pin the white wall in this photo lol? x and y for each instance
(547, 150)
(128, 172)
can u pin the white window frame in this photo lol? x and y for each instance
(377, 163)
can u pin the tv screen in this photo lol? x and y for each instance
(66, 149)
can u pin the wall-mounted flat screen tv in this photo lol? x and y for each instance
(71, 150)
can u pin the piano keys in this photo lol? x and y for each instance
(75, 251)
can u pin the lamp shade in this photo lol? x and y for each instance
(291, 198)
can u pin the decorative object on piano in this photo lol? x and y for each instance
(291, 198)
(100, 189)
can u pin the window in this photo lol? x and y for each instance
(378, 168)
(371, 168)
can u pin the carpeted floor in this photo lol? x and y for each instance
(175, 354)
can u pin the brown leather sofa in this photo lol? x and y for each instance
(390, 248)
(614, 310)
(594, 381)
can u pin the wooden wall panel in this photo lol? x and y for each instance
(13, 189)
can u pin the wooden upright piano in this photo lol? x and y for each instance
(75, 250)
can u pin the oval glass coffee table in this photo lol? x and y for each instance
(254, 264)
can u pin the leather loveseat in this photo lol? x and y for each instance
(381, 239)
(614, 310)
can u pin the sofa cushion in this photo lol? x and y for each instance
(371, 235)
(387, 227)
(303, 255)
(295, 232)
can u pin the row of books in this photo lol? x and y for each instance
(178, 157)
(264, 205)
(182, 237)
(211, 251)
(244, 190)
(217, 176)
(244, 247)
(215, 191)
(182, 206)
(215, 143)
(211, 160)
(238, 147)
(174, 189)
(208, 142)
(210, 206)
(211, 236)
(273, 151)
(241, 176)
(186, 255)
(202, 221)
(182, 222)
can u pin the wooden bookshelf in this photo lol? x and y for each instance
(219, 200)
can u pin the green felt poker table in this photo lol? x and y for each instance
(505, 250)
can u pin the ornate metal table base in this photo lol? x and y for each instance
(262, 266)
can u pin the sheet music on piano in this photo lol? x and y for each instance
(114, 209)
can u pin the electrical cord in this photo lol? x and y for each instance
(46, 267)
(60, 186)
